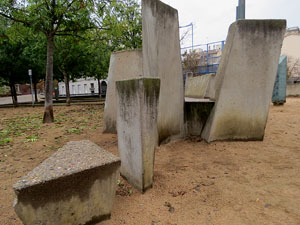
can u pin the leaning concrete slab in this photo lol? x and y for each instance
(76, 185)
(245, 80)
(123, 65)
(279, 91)
(137, 102)
(161, 58)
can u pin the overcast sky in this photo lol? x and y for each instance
(211, 18)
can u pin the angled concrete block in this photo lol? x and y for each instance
(123, 65)
(76, 185)
(279, 91)
(137, 102)
(161, 59)
(199, 86)
(245, 80)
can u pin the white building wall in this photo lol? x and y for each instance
(80, 87)
(291, 49)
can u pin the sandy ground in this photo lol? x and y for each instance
(223, 183)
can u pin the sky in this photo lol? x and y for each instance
(212, 18)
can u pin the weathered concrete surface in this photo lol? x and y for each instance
(76, 185)
(293, 90)
(123, 65)
(137, 102)
(279, 91)
(161, 58)
(196, 112)
(245, 80)
(199, 86)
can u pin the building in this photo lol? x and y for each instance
(203, 59)
(83, 87)
(291, 49)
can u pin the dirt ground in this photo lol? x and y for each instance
(223, 183)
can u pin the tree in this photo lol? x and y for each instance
(293, 67)
(122, 29)
(52, 18)
(11, 58)
(21, 49)
(123, 23)
(191, 61)
(72, 61)
(124, 20)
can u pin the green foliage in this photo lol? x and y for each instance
(125, 22)
(5, 141)
(4, 90)
(86, 31)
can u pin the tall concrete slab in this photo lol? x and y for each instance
(279, 91)
(161, 58)
(245, 80)
(123, 65)
(137, 105)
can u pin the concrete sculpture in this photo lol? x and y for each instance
(123, 65)
(137, 102)
(279, 92)
(160, 59)
(245, 80)
(76, 185)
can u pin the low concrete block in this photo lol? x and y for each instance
(76, 185)
(124, 65)
(137, 102)
(244, 81)
(293, 90)
(199, 86)
(196, 112)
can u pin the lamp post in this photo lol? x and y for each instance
(30, 76)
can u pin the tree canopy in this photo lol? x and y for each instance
(74, 36)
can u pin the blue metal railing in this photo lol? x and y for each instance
(211, 56)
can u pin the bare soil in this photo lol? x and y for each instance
(195, 183)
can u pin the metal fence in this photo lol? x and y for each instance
(209, 56)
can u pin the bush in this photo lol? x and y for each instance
(4, 91)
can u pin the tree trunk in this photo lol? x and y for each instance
(99, 88)
(13, 93)
(35, 91)
(48, 113)
(67, 81)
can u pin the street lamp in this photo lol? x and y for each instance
(30, 76)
